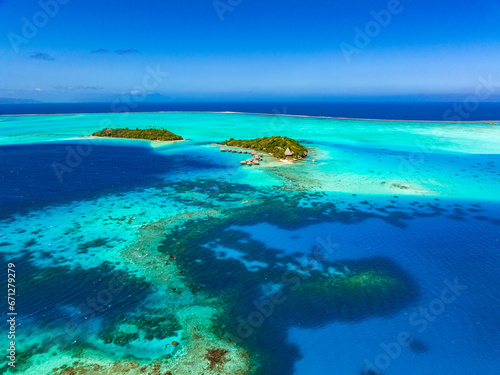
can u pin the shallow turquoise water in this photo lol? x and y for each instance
(353, 156)
(419, 198)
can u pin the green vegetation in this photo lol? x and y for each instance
(360, 293)
(150, 134)
(276, 146)
(366, 282)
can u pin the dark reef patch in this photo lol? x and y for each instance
(98, 242)
(371, 287)
(29, 243)
(417, 346)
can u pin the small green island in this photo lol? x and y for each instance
(280, 147)
(150, 134)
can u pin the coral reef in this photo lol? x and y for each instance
(369, 287)
(216, 357)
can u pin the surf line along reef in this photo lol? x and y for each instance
(282, 148)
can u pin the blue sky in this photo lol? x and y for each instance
(75, 50)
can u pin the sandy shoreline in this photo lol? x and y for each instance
(135, 139)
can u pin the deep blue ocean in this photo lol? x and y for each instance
(433, 111)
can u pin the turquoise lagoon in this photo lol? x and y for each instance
(123, 246)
